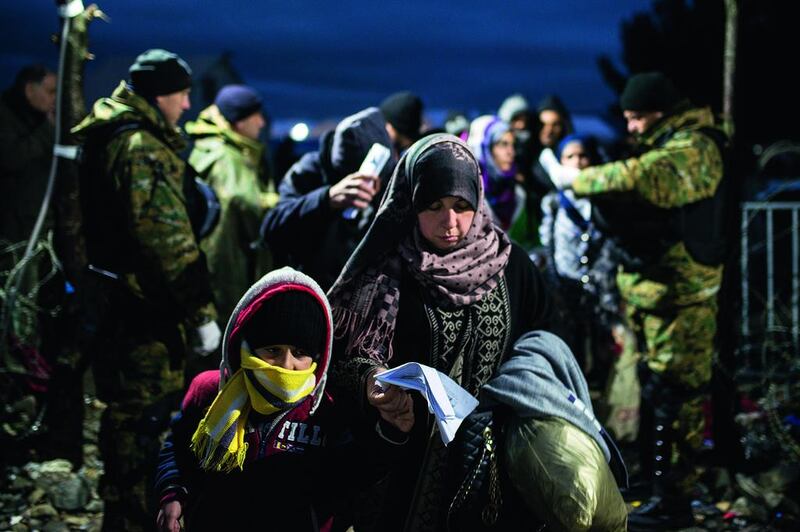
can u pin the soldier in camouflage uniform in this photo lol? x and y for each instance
(230, 158)
(152, 290)
(670, 297)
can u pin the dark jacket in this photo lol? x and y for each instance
(289, 477)
(302, 230)
(297, 468)
(26, 148)
(528, 306)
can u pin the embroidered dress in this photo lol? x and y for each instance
(459, 311)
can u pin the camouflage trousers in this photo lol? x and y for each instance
(676, 347)
(140, 378)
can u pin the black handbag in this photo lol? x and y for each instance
(480, 497)
(474, 475)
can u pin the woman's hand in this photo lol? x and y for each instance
(394, 404)
(168, 517)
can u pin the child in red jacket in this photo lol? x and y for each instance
(255, 444)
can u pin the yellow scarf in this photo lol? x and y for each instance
(218, 441)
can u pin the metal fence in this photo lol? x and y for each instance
(770, 269)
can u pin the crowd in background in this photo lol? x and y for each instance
(513, 240)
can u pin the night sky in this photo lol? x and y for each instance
(325, 59)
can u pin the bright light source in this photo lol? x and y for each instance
(299, 132)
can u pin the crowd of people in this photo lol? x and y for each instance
(262, 316)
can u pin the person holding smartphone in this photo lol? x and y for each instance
(307, 229)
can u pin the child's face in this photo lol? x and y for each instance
(285, 356)
(574, 156)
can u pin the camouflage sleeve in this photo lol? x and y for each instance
(160, 223)
(618, 176)
(687, 168)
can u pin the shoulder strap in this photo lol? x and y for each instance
(572, 211)
(717, 135)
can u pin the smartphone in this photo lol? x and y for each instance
(377, 157)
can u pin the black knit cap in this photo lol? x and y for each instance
(445, 172)
(649, 91)
(351, 141)
(403, 110)
(289, 318)
(157, 72)
(237, 102)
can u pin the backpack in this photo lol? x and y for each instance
(110, 250)
(104, 220)
(702, 225)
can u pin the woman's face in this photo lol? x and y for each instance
(574, 156)
(445, 222)
(503, 152)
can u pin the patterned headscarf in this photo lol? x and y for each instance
(366, 297)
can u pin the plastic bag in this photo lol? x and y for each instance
(561, 474)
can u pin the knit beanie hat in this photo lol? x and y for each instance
(157, 72)
(403, 110)
(649, 91)
(352, 140)
(291, 317)
(237, 102)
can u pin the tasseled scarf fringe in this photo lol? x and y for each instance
(216, 457)
(371, 340)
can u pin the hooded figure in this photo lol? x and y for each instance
(306, 228)
(260, 430)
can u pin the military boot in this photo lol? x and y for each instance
(668, 508)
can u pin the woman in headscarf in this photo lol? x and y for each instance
(492, 142)
(433, 281)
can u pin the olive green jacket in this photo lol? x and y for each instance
(234, 167)
(687, 167)
(147, 176)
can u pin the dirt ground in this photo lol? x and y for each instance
(49, 495)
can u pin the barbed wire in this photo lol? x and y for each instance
(20, 318)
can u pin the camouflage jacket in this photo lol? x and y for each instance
(146, 177)
(234, 167)
(681, 165)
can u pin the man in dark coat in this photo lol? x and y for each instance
(307, 229)
(554, 123)
(27, 114)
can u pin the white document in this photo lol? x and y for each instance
(448, 401)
